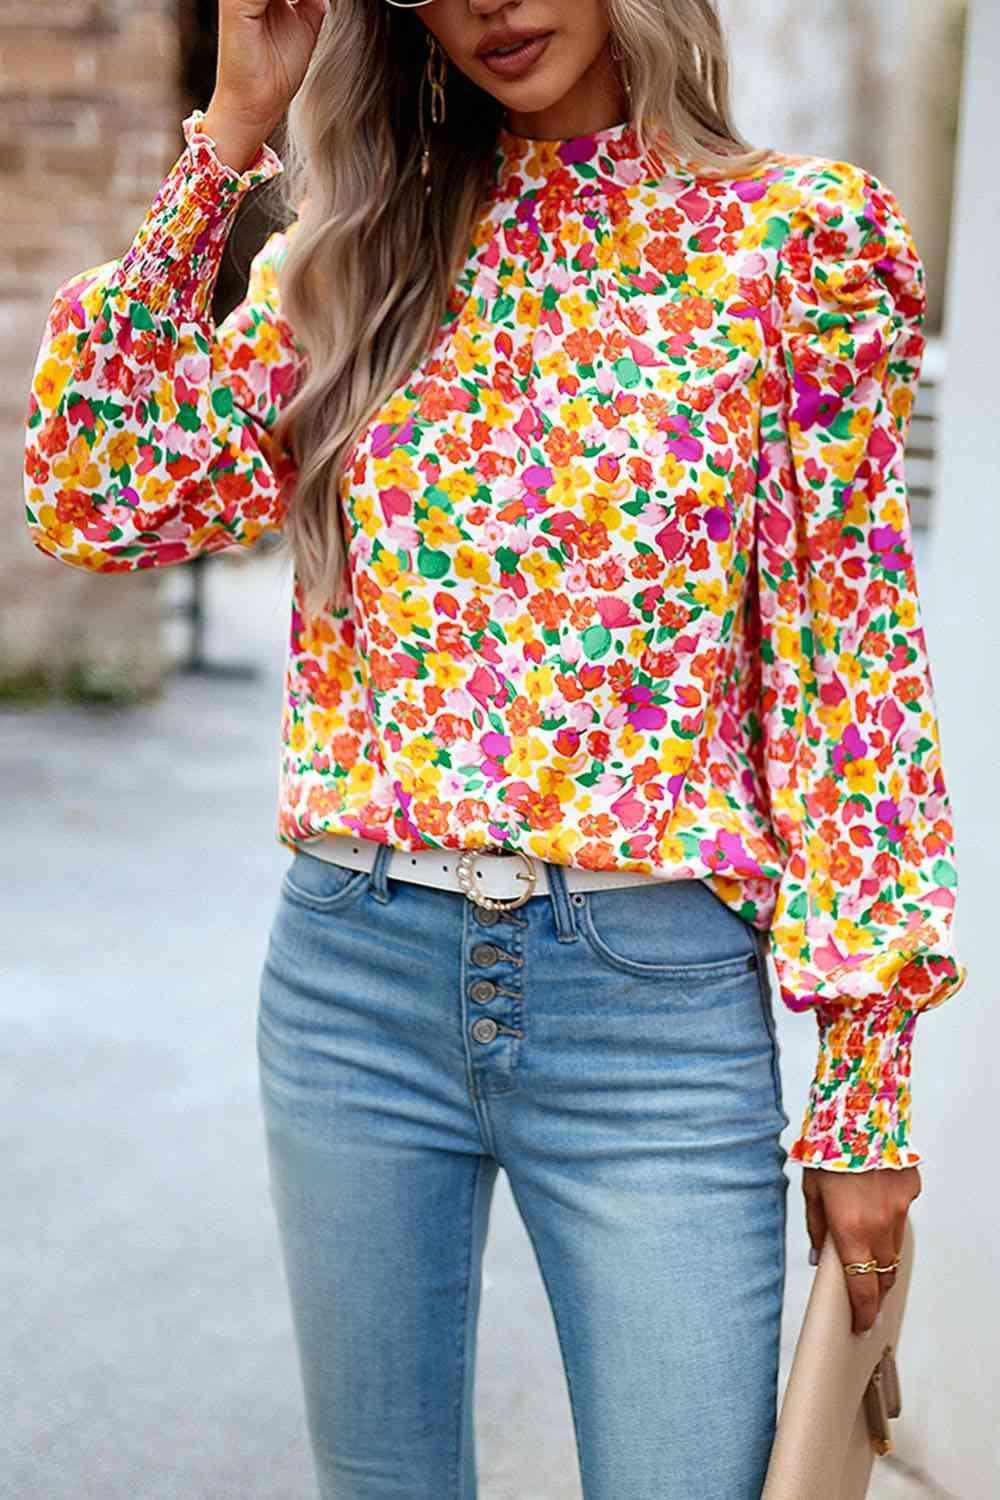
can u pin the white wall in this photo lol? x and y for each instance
(954, 1318)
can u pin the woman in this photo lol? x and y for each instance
(606, 682)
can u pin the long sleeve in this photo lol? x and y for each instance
(861, 932)
(149, 429)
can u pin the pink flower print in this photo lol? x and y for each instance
(682, 444)
(642, 712)
(887, 542)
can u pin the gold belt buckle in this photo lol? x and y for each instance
(467, 881)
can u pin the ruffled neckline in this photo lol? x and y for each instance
(600, 161)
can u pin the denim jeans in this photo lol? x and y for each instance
(615, 1053)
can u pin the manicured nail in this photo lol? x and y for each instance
(813, 1256)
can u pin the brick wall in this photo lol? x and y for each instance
(89, 113)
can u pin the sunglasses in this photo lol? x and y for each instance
(407, 4)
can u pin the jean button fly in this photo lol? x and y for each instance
(484, 954)
(483, 990)
(485, 1029)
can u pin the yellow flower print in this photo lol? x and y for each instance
(542, 569)
(554, 782)
(468, 349)
(672, 471)
(367, 517)
(267, 345)
(324, 724)
(849, 667)
(361, 778)
(50, 382)
(458, 485)
(529, 307)
(470, 562)
(438, 528)
(539, 683)
(122, 450)
(525, 752)
(496, 412)
(892, 513)
(711, 595)
(824, 625)
(705, 271)
(629, 237)
(556, 844)
(395, 470)
(63, 346)
(298, 737)
(443, 667)
(404, 614)
(76, 470)
(569, 480)
(155, 490)
(860, 775)
(906, 611)
(387, 569)
(598, 505)
(629, 741)
(835, 717)
(420, 750)
(879, 682)
(745, 334)
(576, 413)
(554, 364)
(166, 399)
(580, 312)
(675, 756)
(522, 628)
(712, 489)
(672, 849)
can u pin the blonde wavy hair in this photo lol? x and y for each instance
(367, 272)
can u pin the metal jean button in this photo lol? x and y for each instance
(484, 954)
(483, 990)
(484, 1029)
(487, 916)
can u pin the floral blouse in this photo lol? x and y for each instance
(631, 572)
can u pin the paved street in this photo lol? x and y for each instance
(149, 1346)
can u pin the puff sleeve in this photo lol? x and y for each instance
(149, 430)
(861, 932)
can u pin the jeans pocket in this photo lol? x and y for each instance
(667, 930)
(319, 884)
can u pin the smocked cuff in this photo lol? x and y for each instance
(172, 264)
(858, 1112)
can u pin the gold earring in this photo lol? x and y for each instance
(618, 58)
(433, 78)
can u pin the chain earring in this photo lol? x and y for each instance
(434, 75)
(618, 58)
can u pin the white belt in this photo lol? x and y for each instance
(487, 879)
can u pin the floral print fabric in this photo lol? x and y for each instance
(632, 582)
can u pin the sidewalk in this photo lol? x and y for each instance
(150, 1349)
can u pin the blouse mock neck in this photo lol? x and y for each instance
(597, 161)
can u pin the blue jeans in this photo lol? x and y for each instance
(632, 1095)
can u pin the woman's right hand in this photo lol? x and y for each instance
(264, 51)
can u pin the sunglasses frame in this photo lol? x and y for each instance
(408, 4)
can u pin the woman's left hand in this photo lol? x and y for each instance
(866, 1214)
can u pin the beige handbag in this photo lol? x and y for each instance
(842, 1390)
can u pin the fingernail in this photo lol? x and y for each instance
(813, 1256)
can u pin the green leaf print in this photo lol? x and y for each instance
(944, 873)
(222, 401)
(596, 641)
(431, 563)
(628, 372)
(140, 317)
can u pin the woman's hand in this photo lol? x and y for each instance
(866, 1214)
(264, 51)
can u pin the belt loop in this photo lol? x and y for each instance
(378, 877)
(565, 917)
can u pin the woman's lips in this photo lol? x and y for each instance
(516, 63)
